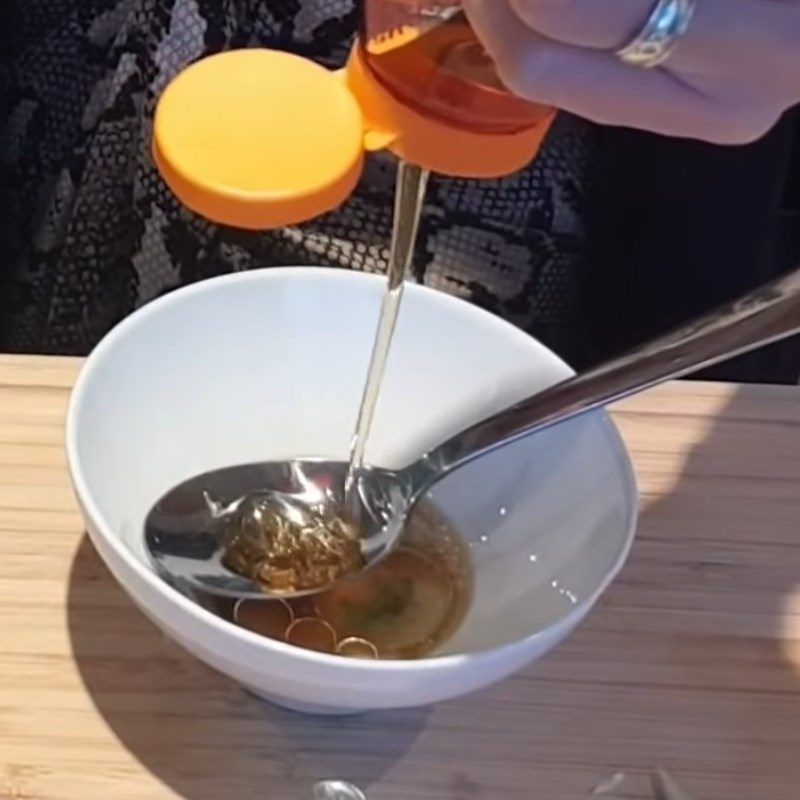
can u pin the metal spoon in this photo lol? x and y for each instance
(183, 530)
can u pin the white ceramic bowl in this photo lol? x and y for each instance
(270, 364)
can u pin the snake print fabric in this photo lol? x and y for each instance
(90, 232)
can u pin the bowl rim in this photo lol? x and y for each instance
(428, 665)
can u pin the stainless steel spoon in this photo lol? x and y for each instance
(183, 531)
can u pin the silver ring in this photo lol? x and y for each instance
(667, 23)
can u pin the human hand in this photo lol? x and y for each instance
(728, 80)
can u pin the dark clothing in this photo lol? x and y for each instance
(677, 227)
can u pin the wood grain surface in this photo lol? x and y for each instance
(691, 662)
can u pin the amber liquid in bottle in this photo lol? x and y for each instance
(441, 70)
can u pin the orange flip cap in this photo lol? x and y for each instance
(261, 139)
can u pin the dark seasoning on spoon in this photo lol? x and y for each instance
(289, 552)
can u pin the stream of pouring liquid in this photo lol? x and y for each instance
(409, 196)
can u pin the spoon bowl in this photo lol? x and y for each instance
(185, 532)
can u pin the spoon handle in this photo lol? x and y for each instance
(766, 315)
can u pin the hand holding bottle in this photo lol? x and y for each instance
(725, 70)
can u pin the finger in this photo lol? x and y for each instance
(724, 35)
(594, 84)
(586, 23)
